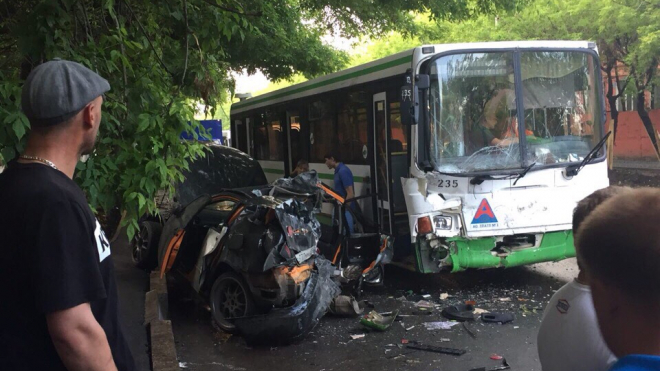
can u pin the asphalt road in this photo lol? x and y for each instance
(132, 284)
(330, 346)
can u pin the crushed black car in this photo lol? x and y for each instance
(257, 257)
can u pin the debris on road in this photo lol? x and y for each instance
(460, 312)
(437, 349)
(442, 325)
(505, 299)
(504, 366)
(470, 302)
(528, 310)
(497, 317)
(405, 341)
(495, 357)
(358, 336)
(377, 321)
(479, 311)
(469, 331)
(444, 296)
(410, 328)
(183, 365)
(347, 306)
(424, 305)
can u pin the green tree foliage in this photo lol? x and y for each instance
(164, 57)
(159, 57)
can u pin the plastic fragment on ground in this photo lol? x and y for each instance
(495, 357)
(437, 349)
(377, 321)
(358, 336)
(423, 305)
(442, 325)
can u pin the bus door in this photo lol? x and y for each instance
(240, 139)
(381, 162)
(248, 135)
(294, 139)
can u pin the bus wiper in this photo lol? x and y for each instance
(573, 170)
(524, 172)
(478, 179)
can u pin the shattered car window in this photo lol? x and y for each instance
(472, 106)
(562, 122)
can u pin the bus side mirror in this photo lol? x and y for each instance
(422, 82)
(406, 105)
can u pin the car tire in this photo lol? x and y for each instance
(145, 245)
(230, 298)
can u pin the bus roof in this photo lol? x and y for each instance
(392, 65)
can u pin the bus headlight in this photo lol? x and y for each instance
(442, 222)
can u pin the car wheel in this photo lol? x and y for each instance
(230, 298)
(145, 244)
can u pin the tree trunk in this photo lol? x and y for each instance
(646, 120)
(611, 97)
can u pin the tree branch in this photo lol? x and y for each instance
(185, 16)
(230, 10)
(151, 44)
(123, 52)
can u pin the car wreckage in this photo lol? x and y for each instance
(262, 262)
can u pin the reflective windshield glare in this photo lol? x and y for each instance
(473, 109)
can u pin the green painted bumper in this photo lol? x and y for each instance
(476, 253)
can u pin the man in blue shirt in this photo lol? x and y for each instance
(343, 184)
(619, 247)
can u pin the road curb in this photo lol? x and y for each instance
(156, 318)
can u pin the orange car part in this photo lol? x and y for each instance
(334, 261)
(171, 252)
(236, 214)
(331, 193)
(373, 263)
(297, 274)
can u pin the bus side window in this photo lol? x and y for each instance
(260, 139)
(268, 138)
(323, 134)
(399, 156)
(352, 124)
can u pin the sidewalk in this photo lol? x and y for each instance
(132, 284)
(636, 164)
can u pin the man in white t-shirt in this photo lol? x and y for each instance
(569, 338)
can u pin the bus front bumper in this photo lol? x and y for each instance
(478, 253)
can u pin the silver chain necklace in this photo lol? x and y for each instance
(42, 160)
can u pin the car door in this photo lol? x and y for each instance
(174, 231)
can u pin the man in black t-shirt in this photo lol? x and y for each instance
(59, 306)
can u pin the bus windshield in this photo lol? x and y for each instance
(474, 110)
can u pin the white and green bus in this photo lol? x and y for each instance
(478, 153)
